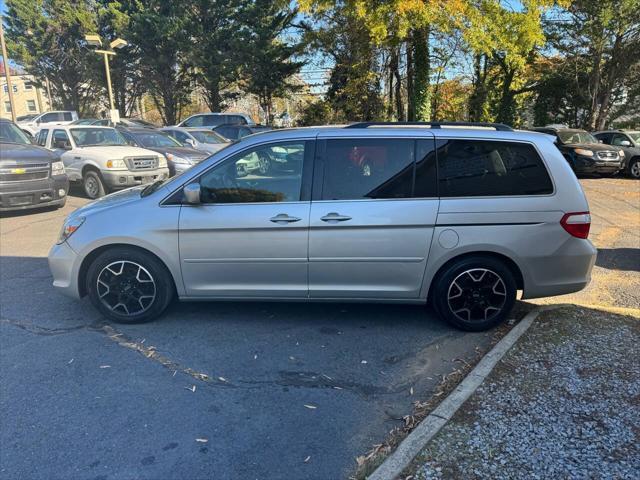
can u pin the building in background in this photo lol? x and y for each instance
(28, 98)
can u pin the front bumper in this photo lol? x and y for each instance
(34, 194)
(593, 165)
(123, 179)
(62, 263)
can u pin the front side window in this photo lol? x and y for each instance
(571, 137)
(196, 121)
(618, 139)
(268, 173)
(89, 137)
(470, 168)
(41, 138)
(368, 168)
(208, 136)
(60, 139)
(51, 117)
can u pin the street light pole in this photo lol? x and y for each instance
(106, 54)
(117, 43)
(7, 71)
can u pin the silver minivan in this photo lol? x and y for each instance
(462, 216)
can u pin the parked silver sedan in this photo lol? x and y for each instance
(198, 138)
(461, 217)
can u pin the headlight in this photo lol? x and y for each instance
(57, 168)
(162, 161)
(175, 159)
(584, 152)
(70, 226)
(116, 164)
(621, 153)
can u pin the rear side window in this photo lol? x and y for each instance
(368, 168)
(67, 116)
(475, 168)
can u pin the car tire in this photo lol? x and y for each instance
(93, 185)
(634, 168)
(475, 293)
(129, 286)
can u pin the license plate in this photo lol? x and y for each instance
(21, 200)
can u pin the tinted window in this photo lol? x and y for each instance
(367, 168)
(60, 139)
(271, 173)
(468, 168)
(51, 117)
(230, 132)
(426, 182)
(618, 139)
(67, 116)
(41, 139)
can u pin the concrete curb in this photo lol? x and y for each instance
(426, 430)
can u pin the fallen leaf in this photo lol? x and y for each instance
(312, 407)
(338, 388)
(360, 460)
(105, 366)
(222, 379)
(255, 357)
(411, 391)
(201, 440)
(191, 388)
(174, 373)
(306, 460)
(363, 362)
(70, 362)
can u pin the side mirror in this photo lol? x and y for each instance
(625, 143)
(192, 193)
(189, 143)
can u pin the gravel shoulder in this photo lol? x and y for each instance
(551, 408)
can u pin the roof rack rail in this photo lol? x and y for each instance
(498, 126)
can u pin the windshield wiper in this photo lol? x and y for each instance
(149, 189)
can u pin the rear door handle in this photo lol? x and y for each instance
(335, 217)
(283, 219)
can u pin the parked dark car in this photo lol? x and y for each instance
(236, 132)
(583, 152)
(179, 158)
(629, 142)
(30, 176)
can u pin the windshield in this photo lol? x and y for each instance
(635, 136)
(207, 136)
(155, 139)
(576, 137)
(9, 133)
(85, 121)
(88, 137)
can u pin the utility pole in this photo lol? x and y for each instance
(7, 72)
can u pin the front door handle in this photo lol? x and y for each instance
(335, 217)
(283, 219)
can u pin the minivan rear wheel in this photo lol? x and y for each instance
(475, 293)
(129, 285)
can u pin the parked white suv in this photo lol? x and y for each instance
(101, 158)
(48, 119)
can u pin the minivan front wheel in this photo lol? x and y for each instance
(475, 293)
(129, 285)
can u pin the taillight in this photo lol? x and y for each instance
(577, 224)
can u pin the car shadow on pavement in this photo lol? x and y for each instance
(627, 259)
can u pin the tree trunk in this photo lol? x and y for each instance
(422, 90)
(506, 108)
(411, 110)
(478, 97)
(393, 66)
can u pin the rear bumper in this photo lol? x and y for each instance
(34, 194)
(565, 271)
(124, 179)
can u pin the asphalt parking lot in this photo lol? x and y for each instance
(233, 390)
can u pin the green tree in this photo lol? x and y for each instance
(46, 38)
(269, 61)
(159, 31)
(216, 51)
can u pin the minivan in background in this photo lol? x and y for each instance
(462, 217)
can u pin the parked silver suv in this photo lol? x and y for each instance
(463, 217)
